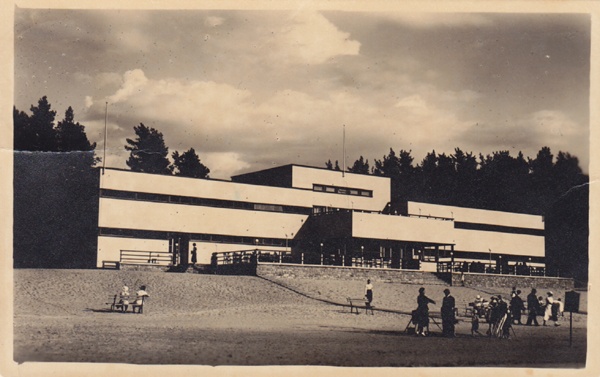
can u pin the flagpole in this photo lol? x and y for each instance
(344, 150)
(105, 137)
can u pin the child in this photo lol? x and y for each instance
(475, 324)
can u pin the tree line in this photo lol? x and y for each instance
(148, 152)
(495, 181)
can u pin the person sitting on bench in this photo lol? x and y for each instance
(141, 294)
(124, 298)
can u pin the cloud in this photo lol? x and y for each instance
(440, 20)
(224, 164)
(312, 39)
(413, 102)
(234, 129)
(213, 21)
(530, 132)
(133, 81)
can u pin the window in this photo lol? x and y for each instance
(343, 190)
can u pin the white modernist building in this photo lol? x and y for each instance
(315, 215)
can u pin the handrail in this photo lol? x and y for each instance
(491, 268)
(145, 257)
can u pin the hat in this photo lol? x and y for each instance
(478, 297)
(125, 288)
(550, 293)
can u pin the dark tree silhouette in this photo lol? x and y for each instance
(71, 137)
(23, 135)
(148, 152)
(35, 132)
(360, 166)
(188, 165)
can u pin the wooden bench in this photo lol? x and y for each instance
(115, 305)
(140, 306)
(354, 305)
(114, 265)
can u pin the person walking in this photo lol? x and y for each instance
(516, 307)
(422, 312)
(369, 292)
(194, 254)
(552, 308)
(475, 324)
(533, 306)
(448, 314)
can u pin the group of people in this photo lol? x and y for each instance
(125, 297)
(549, 308)
(420, 316)
(501, 315)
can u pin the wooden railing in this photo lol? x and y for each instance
(144, 257)
(491, 268)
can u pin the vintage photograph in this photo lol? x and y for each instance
(301, 186)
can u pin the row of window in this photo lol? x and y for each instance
(177, 199)
(498, 228)
(217, 238)
(343, 190)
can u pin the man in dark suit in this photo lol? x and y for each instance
(533, 306)
(448, 314)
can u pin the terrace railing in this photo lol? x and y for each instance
(491, 268)
(147, 258)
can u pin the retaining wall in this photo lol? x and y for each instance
(354, 273)
(488, 280)
(285, 270)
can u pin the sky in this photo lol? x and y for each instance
(253, 89)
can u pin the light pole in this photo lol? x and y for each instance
(362, 256)
(490, 259)
(321, 253)
(500, 264)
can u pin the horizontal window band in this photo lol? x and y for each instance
(342, 190)
(204, 202)
(498, 228)
(199, 237)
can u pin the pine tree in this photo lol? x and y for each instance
(148, 152)
(188, 165)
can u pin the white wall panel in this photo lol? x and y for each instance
(499, 243)
(478, 216)
(368, 225)
(130, 214)
(225, 190)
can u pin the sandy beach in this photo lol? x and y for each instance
(193, 319)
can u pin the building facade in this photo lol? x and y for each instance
(315, 215)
